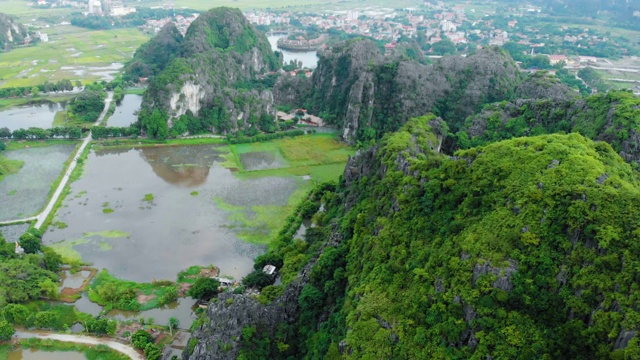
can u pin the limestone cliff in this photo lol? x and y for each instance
(11, 33)
(213, 75)
(367, 95)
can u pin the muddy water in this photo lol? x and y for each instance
(33, 354)
(174, 230)
(73, 280)
(124, 114)
(12, 233)
(182, 309)
(23, 194)
(29, 116)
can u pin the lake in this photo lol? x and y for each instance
(151, 212)
(27, 116)
(309, 58)
(124, 113)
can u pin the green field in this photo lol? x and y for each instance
(71, 53)
(321, 157)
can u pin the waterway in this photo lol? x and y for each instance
(309, 58)
(40, 115)
(126, 111)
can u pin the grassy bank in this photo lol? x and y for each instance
(141, 142)
(27, 100)
(8, 167)
(23, 144)
(135, 91)
(110, 111)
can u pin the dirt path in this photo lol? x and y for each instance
(81, 339)
(56, 195)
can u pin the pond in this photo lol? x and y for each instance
(124, 114)
(182, 309)
(309, 58)
(40, 115)
(25, 193)
(151, 212)
(35, 354)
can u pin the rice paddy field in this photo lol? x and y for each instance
(71, 53)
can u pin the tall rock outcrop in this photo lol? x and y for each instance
(367, 95)
(211, 75)
(11, 33)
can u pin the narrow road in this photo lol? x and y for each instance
(56, 195)
(82, 339)
(17, 221)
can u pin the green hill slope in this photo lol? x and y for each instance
(522, 249)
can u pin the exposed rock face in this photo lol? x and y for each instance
(367, 95)
(210, 72)
(544, 86)
(11, 33)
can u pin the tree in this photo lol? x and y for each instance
(257, 279)
(6, 330)
(30, 243)
(5, 133)
(140, 339)
(52, 260)
(151, 352)
(35, 91)
(46, 319)
(173, 323)
(204, 288)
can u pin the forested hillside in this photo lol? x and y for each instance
(525, 248)
(210, 80)
(613, 117)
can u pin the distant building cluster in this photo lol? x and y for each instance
(109, 7)
(182, 23)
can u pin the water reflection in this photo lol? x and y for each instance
(125, 113)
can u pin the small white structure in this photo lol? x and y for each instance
(269, 269)
(19, 249)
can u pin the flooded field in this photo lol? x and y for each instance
(166, 204)
(27, 116)
(34, 354)
(12, 233)
(125, 111)
(23, 194)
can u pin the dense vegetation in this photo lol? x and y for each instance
(612, 117)
(524, 248)
(88, 104)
